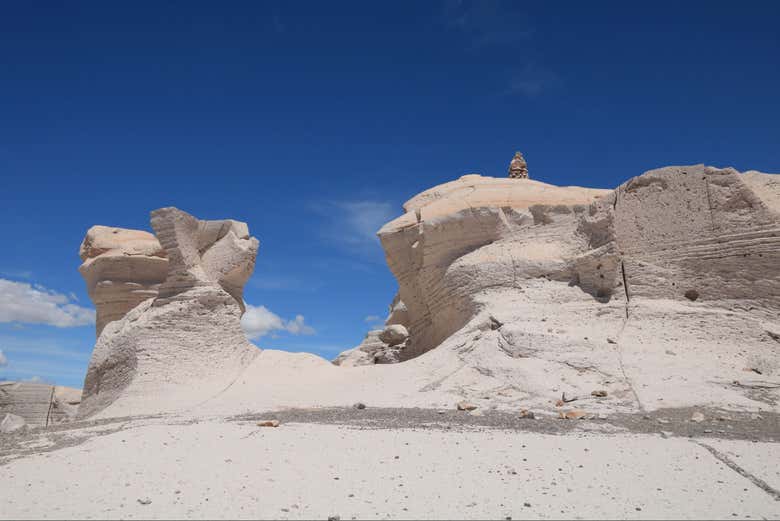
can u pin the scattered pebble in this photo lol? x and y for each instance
(466, 406)
(145, 501)
(611, 341)
(697, 417)
(359, 406)
(600, 393)
(572, 415)
(268, 423)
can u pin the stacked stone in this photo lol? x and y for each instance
(518, 169)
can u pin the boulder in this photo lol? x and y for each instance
(372, 350)
(394, 335)
(185, 344)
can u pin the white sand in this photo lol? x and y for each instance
(297, 471)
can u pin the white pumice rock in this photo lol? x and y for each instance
(185, 344)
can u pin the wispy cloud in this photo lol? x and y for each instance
(532, 81)
(17, 274)
(22, 302)
(374, 322)
(3, 359)
(487, 23)
(353, 224)
(259, 321)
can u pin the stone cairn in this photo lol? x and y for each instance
(518, 169)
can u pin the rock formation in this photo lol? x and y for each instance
(381, 346)
(37, 403)
(680, 232)
(700, 233)
(370, 351)
(518, 169)
(478, 233)
(663, 292)
(122, 268)
(185, 343)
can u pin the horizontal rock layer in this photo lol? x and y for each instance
(39, 404)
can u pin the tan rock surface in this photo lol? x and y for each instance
(122, 268)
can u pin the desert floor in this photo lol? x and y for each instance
(397, 463)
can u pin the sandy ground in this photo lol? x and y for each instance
(400, 464)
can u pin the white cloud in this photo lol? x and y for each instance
(259, 321)
(25, 303)
(364, 218)
(372, 318)
(3, 359)
(353, 224)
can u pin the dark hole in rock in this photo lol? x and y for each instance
(692, 294)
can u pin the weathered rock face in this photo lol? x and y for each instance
(122, 268)
(204, 253)
(185, 344)
(11, 423)
(684, 233)
(37, 403)
(398, 313)
(701, 233)
(475, 234)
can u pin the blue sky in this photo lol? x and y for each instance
(314, 121)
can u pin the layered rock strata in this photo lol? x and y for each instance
(467, 236)
(184, 344)
(122, 268)
(693, 233)
(39, 404)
